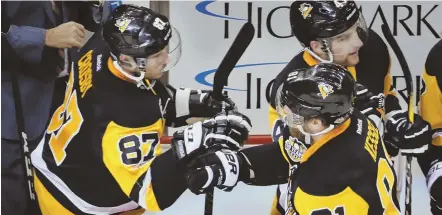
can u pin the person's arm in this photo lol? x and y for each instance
(260, 166)
(27, 42)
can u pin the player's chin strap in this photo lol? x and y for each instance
(326, 48)
(308, 136)
(139, 80)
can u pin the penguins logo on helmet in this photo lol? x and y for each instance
(305, 9)
(340, 3)
(122, 24)
(325, 90)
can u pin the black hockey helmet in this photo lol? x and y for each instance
(323, 91)
(139, 32)
(315, 20)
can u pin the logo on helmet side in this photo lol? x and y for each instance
(305, 9)
(325, 90)
(122, 24)
(340, 3)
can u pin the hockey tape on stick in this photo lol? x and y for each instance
(409, 84)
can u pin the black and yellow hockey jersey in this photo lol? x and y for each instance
(347, 171)
(373, 68)
(431, 98)
(431, 105)
(100, 153)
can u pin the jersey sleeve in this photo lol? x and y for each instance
(431, 98)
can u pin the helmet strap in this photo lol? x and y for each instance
(138, 80)
(308, 136)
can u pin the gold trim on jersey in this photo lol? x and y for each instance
(128, 154)
(47, 203)
(134, 212)
(347, 200)
(273, 116)
(311, 61)
(325, 139)
(431, 105)
(388, 88)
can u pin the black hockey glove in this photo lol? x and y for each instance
(219, 169)
(199, 103)
(226, 130)
(411, 139)
(368, 103)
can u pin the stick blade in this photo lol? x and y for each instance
(236, 50)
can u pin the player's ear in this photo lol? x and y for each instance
(128, 63)
(316, 47)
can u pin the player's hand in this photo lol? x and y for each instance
(66, 35)
(226, 130)
(411, 138)
(219, 169)
(367, 102)
(200, 103)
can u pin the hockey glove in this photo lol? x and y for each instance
(199, 103)
(368, 104)
(226, 130)
(219, 169)
(410, 138)
(434, 184)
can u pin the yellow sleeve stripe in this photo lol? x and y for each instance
(151, 201)
(47, 203)
(147, 197)
(437, 139)
(281, 147)
(273, 117)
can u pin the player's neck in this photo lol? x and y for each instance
(316, 138)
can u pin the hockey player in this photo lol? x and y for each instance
(340, 166)
(431, 110)
(101, 153)
(335, 31)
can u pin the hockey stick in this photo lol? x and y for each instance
(409, 84)
(236, 50)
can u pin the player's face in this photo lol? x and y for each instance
(345, 47)
(156, 64)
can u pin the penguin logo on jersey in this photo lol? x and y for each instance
(122, 24)
(294, 149)
(305, 9)
(325, 90)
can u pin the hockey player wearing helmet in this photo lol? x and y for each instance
(431, 110)
(101, 152)
(335, 31)
(341, 167)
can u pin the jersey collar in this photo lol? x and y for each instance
(311, 61)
